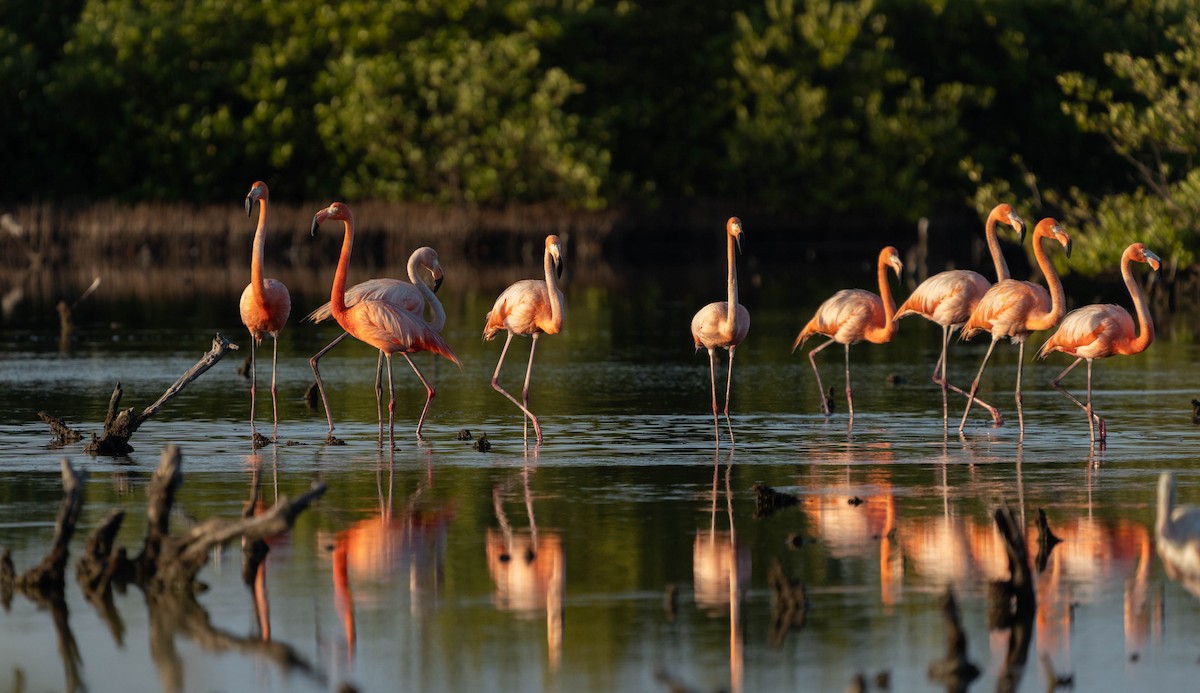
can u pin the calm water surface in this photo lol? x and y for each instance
(626, 546)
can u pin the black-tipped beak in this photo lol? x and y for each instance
(558, 267)
(1020, 224)
(738, 238)
(1067, 247)
(1153, 260)
(316, 222)
(249, 204)
(437, 283)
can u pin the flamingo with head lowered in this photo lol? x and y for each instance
(529, 307)
(1017, 309)
(851, 316)
(947, 298)
(1098, 331)
(265, 305)
(380, 323)
(411, 296)
(723, 325)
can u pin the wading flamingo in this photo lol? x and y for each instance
(383, 325)
(265, 305)
(528, 307)
(947, 298)
(1016, 309)
(852, 315)
(411, 296)
(723, 325)
(1100, 330)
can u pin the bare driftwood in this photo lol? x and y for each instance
(954, 671)
(768, 501)
(1013, 603)
(46, 578)
(790, 604)
(121, 424)
(63, 434)
(1047, 540)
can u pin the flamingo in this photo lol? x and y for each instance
(528, 307)
(947, 298)
(411, 296)
(1016, 309)
(380, 323)
(1178, 535)
(723, 324)
(852, 315)
(1100, 330)
(265, 305)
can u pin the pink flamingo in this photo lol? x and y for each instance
(265, 305)
(947, 298)
(852, 315)
(1098, 331)
(377, 322)
(411, 296)
(723, 324)
(528, 307)
(1016, 309)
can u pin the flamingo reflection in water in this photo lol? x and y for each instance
(529, 569)
(721, 571)
(1177, 529)
(410, 541)
(254, 554)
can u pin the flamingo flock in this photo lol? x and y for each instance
(390, 315)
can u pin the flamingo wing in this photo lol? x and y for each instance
(272, 315)
(1092, 332)
(390, 329)
(709, 326)
(395, 291)
(845, 316)
(1005, 308)
(946, 298)
(523, 308)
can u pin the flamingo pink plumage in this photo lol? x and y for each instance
(723, 324)
(411, 296)
(947, 298)
(528, 307)
(1098, 331)
(265, 304)
(851, 316)
(1016, 309)
(385, 326)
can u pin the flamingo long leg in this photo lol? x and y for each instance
(501, 390)
(728, 384)
(944, 382)
(320, 385)
(253, 379)
(379, 392)
(430, 393)
(391, 405)
(820, 388)
(849, 391)
(1020, 399)
(1056, 384)
(274, 400)
(975, 385)
(712, 376)
(525, 390)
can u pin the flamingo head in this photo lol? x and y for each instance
(1004, 212)
(554, 248)
(734, 228)
(338, 211)
(891, 257)
(1140, 253)
(1050, 228)
(428, 258)
(258, 191)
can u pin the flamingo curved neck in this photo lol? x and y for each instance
(438, 320)
(1044, 321)
(880, 335)
(731, 312)
(337, 296)
(552, 290)
(256, 256)
(993, 243)
(1145, 321)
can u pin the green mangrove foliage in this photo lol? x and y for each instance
(876, 110)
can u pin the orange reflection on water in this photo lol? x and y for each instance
(721, 571)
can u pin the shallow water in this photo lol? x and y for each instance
(625, 548)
